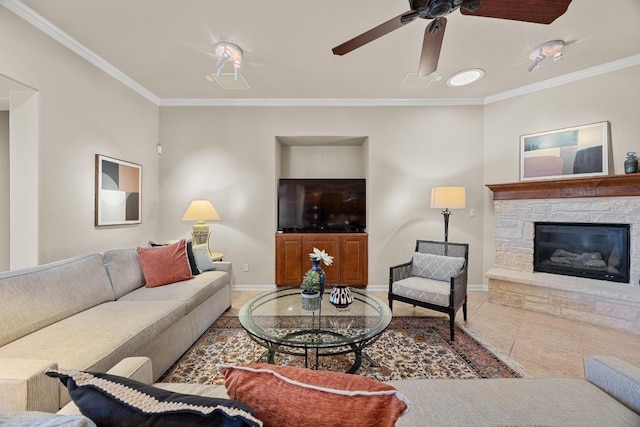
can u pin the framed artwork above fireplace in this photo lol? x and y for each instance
(565, 153)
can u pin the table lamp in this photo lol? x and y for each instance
(201, 211)
(447, 198)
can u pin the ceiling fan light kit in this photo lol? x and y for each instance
(231, 52)
(542, 12)
(551, 49)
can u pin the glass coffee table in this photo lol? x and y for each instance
(276, 321)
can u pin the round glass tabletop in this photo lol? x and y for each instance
(277, 321)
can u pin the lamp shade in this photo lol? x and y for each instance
(448, 197)
(201, 210)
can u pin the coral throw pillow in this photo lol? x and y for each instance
(291, 396)
(162, 265)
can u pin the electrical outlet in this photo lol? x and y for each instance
(472, 212)
(245, 267)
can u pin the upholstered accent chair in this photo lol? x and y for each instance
(435, 278)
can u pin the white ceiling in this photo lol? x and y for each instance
(166, 46)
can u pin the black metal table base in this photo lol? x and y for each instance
(303, 350)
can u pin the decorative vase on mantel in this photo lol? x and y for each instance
(631, 163)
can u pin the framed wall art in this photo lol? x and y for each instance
(565, 153)
(118, 192)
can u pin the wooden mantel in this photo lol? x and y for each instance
(598, 186)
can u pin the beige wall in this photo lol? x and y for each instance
(82, 111)
(613, 97)
(322, 161)
(4, 190)
(230, 156)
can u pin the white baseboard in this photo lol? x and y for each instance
(373, 288)
(254, 287)
(384, 288)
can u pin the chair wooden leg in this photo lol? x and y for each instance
(390, 303)
(464, 310)
(452, 324)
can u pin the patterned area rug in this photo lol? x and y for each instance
(411, 347)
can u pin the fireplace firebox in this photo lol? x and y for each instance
(592, 250)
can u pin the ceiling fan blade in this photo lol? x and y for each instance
(376, 32)
(433, 36)
(539, 11)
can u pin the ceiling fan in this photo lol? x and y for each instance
(536, 11)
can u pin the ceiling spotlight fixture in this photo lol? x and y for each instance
(231, 52)
(540, 52)
(465, 77)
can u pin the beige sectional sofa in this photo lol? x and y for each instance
(90, 312)
(608, 396)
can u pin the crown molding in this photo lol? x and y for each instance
(47, 27)
(316, 102)
(605, 68)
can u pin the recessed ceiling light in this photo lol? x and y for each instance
(465, 77)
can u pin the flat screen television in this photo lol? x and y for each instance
(322, 205)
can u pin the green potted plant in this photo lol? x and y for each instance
(311, 291)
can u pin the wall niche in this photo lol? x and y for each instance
(322, 156)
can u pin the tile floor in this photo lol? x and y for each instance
(543, 345)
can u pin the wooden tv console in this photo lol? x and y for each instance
(349, 251)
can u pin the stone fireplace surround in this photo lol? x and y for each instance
(512, 281)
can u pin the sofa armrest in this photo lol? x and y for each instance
(617, 378)
(25, 387)
(135, 368)
(223, 266)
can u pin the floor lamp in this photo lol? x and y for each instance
(201, 211)
(447, 198)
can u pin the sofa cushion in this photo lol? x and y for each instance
(125, 271)
(421, 289)
(192, 292)
(192, 259)
(136, 368)
(163, 265)
(33, 298)
(110, 400)
(291, 396)
(98, 338)
(436, 267)
(190, 256)
(511, 402)
(203, 257)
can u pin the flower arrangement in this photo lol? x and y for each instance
(313, 282)
(321, 255)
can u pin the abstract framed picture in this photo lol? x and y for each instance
(118, 192)
(565, 153)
